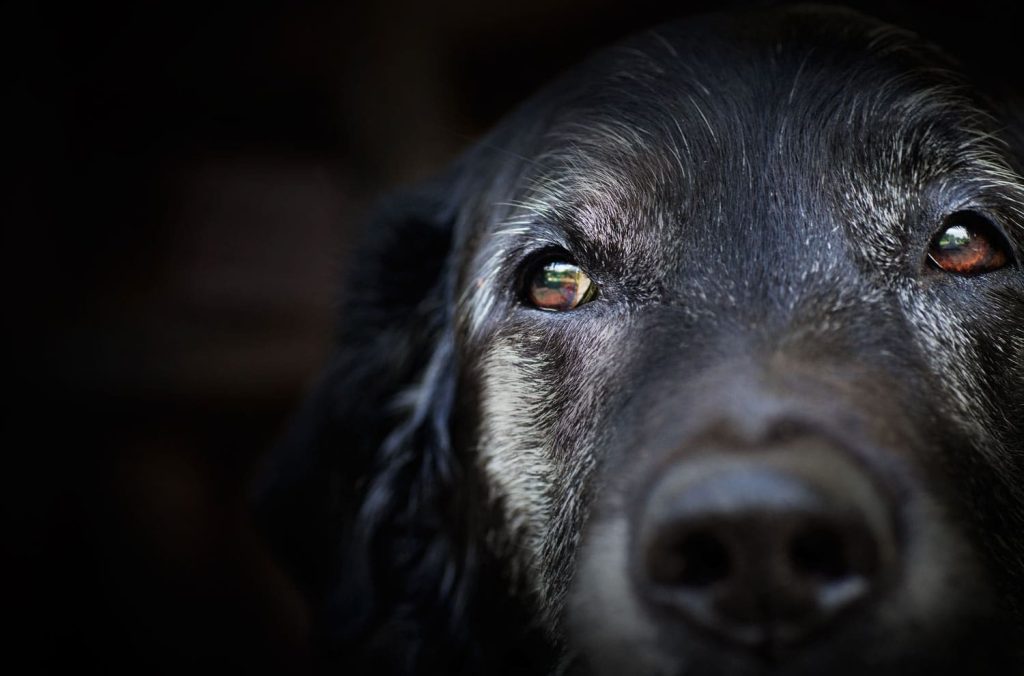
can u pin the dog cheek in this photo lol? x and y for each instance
(515, 454)
(606, 622)
(543, 400)
(945, 340)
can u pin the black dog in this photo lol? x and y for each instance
(708, 360)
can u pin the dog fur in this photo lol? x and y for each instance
(753, 193)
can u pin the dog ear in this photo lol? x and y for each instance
(351, 501)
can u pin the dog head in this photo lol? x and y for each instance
(709, 359)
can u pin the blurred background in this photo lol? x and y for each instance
(186, 182)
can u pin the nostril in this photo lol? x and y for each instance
(819, 552)
(697, 560)
(706, 560)
(761, 554)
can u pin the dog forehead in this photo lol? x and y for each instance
(806, 120)
(766, 154)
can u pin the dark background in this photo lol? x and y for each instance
(185, 183)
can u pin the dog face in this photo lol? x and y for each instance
(708, 360)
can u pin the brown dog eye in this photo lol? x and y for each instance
(559, 286)
(968, 244)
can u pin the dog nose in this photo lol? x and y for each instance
(763, 554)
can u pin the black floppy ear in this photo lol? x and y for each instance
(351, 499)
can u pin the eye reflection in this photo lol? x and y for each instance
(558, 286)
(968, 244)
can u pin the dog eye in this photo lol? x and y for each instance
(557, 286)
(968, 244)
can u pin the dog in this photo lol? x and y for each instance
(709, 359)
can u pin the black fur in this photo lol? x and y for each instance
(367, 502)
(376, 501)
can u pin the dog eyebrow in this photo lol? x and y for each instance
(574, 202)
